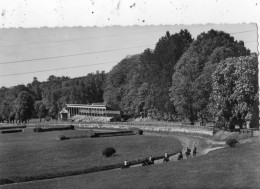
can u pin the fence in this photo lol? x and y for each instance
(252, 131)
(163, 127)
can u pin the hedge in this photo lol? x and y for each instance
(41, 129)
(116, 133)
(12, 131)
(12, 127)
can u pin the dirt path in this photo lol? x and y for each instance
(203, 144)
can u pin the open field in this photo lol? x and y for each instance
(237, 167)
(30, 153)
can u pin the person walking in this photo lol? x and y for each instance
(166, 158)
(126, 164)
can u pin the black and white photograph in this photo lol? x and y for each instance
(129, 94)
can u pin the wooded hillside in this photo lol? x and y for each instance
(173, 81)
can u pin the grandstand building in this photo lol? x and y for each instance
(91, 112)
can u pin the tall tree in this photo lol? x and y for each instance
(192, 81)
(40, 109)
(141, 82)
(24, 106)
(235, 91)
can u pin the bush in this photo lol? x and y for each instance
(62, 137)
(138, 131)
(231, 142)
(47, 119)
(90, 133)
(108, 152)
(37, 129)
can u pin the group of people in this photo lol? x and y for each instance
(188, 153)
(150, 160)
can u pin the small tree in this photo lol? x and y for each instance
(108, 152)
(231, 142)
(24, 106)
(42, 111)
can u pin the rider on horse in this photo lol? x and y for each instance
(188, 151)
(180, 156)
(194, 151)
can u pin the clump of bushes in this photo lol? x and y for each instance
(62, 137)
(90, 133)
(225, 135)
(108, 152)
(37, 129)
(138, 131)
(232, 142)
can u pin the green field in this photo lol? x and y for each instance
(30, 153)
(237, 167)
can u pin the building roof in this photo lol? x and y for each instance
(64, 111)
(93, 105)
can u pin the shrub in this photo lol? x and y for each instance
(37, 129)
(138, 131)
(90, 133)
(108, 152)
(62, 137)
(231, 142)
(47, 119)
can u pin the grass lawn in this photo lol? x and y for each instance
(237, 167)
(30, 153)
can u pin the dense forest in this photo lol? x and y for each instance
(210, 78)
(46, 99)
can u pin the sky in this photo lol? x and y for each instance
(58, 38)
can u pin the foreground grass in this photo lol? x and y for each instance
(237, 167)
(30, 154)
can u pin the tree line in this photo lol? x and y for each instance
(45, 99)
(210, 78)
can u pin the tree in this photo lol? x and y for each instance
(141, 83)
(53, 111)
(24, 106)
(40, 109)
(7, 111)
(192, 81)
(157, 68)
(235, 91)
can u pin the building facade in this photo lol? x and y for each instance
(95, 110)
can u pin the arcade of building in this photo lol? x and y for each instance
(93, 110)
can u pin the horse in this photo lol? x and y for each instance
(151, 160)
(194, 152)
(166, 159)
(187, 153)
(180, 156)
(146, 162)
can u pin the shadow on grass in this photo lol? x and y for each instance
(11, 180)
